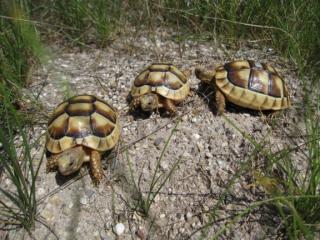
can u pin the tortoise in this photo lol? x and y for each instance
(80, 130)
(160, 85)
(248, 84)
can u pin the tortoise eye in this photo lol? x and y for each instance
(71, 162)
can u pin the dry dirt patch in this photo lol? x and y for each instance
(209, 149)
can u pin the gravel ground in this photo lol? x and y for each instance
(210, 151)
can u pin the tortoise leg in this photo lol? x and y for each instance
(96, 168)
(134, 104)
(220, 101)
(52, 163)
(169, 105)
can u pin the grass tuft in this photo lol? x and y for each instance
(143, 202)
(293, 193)
(18, 205)
(87, 21)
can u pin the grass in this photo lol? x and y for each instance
(291, 27)
(294, 194)
(20, 49)
(18, 204)
(142, 203)
(83, 21)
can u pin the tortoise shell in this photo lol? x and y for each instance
(83, 120)
(253, 85)
(164, 79)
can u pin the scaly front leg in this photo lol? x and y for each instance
(169, 105)
(96, 168)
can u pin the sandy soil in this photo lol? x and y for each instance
(210, 151)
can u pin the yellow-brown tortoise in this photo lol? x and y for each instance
(160, 85)
(80, 130)
(247, 84)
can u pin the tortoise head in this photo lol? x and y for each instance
(71, 160)
(204, 75)
(149, 102)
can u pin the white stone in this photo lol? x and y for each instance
(200, 146)
(162, 215)
(119, 229)
(196, 136)
(7, 182)
(84, 200)
(164, 165)
(206, 208)
(224, 144)
(186, 155)
(188, 215)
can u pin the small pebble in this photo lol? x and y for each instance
(205, 208)
(186, 155)
(164, 165)
(188, 216)
(196, 136)
(119, 229)
(200, 146)
(84, 200)
(158, 141)
(140, 233)
(95, 234)
(224, 144)
(41, 191)
(162, 215)
(184, 118)
(89, 193)
(47, 215)
(113, 83)
(55, 200)
(104, 235)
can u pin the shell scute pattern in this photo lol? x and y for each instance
(83, 120)
(80, 109)
(164, 79)
(259, 81)
(255, 76)
(252, 84)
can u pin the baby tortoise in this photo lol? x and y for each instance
(161, 85)
(80, 130)
(247, 84)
